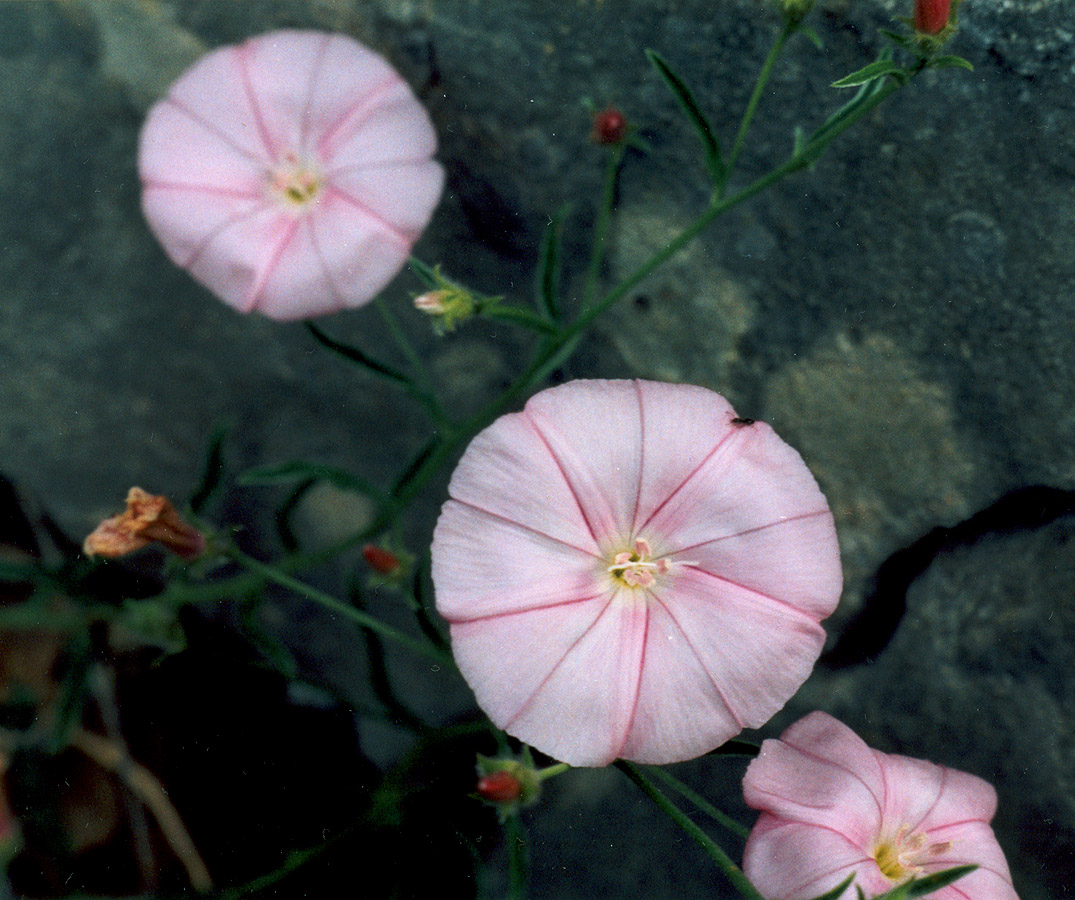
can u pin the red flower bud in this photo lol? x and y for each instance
(609, 127)
(499, 787)
(380, 560)
(930, 16)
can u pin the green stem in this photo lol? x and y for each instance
(601, 223)
(731, 870)
(423, 391)
(552, 771)
(698, 800)
(520, 316)
(755, 98)
(518, 869)
(340, 608)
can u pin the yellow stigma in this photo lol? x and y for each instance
(295, 182)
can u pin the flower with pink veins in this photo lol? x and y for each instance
(831, 807)
(290, 174)
(631, 571)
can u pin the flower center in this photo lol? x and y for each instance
(904, 856)
(637, 569)
(295, 182)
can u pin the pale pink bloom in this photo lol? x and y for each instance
(290, 174)
(630, 571)
(831, 806)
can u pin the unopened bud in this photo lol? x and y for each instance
(500, 787)
(931, 16)
(148, 519)
(382, 561)
(448, 305)
(609, 127)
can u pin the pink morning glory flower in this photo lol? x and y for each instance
(290, 174)
(832, 807)
(631, 571)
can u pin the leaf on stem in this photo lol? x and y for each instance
(950, 62)
(352, 353)
(547, 283)
(812, 36)
(837, 891)
(736, 748)
(919, 887)
(424, 273)
(878, 69)
(713, 160)
(212, 471)
(298, 470)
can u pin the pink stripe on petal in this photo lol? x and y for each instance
(679, 714)
(185, 223)
(293, 282)
(593, 429)
(581, 713)
(820, 773)
(506, 659)
(665, 410)
(283, 69)
(392, 129)
(754, 479)
(790, 861)
(508, 471)
(758, 652)
(230, 261)
(402, 196)
(175, 148)
(802, 565)
(359, 257)
(213, 90)
(964, 796)
(352, 77)
(485, 566)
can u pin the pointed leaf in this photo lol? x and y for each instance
(901, 40)
(298, 470)
(736, 748)
(547, 284)
(812, 36)
(950, 62)
(919, 887)
(877, 69)
(424, 273)
(212, 471)
(710, 147)
(356, 355)
(837, 891)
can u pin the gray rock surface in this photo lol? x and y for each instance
(902, 313)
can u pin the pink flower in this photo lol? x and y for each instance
(630, 571)
(831, 807)
(290, 174)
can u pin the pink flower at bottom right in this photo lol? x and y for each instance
(832, 806)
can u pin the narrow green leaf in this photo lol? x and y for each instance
(299, 470)
(812, 36)
(877, 69)
(212, 471)
(358, 356)
(901, 40)
(414, 465)
(919, 887)
(547, 283)
(837, 891)
(285, 513)
(950, 62)
(424, 273)
(713, 160)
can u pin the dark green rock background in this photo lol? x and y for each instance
(902, 314)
